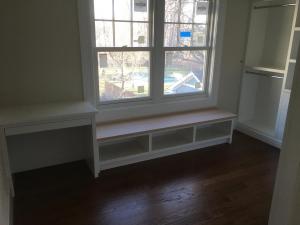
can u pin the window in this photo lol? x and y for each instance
(186, 46)
(125, 47)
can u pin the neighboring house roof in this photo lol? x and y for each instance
(186, 84)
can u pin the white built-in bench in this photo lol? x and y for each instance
(126, 142)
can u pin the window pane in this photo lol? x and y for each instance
(103, 9)
(104, 34)
(122, 30)
(140, 10)
(171, 35)
(123, 75)
(184, 72)
(140, 34)
(185, 35)
(171, 10)
(199, 35)
(186, 15)
(201, 11)
(122, 9)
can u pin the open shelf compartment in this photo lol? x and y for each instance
(259, 103)
(123, 148)
(169, 139)
(295, 46)
(213, 131)
(269, 35)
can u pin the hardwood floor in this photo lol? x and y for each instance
(227, 185)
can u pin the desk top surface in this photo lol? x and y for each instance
(42, 112)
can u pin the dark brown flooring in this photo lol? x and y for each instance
(227, 185)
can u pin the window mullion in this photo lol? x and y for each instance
(113, 23)
(193, 26)
(131, 23)
(158, 52)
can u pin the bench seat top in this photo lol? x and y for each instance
(107, 131)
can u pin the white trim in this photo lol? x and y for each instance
(86, 45)
(259, 135)
(161, 153)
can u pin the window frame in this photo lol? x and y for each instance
(157, 103)
(153, 45)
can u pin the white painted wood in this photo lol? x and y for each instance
(94, 151)
(145, 144)
(88, 57)
(38, 127)
(6, 184)
(5, 161)
(285, 203)
(265, 70)
(262, 102)
(138, 126)
(266, 46)
(289, 76)
(53, 116)
(43, 112)
(162, 153)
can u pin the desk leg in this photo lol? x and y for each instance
(5, 161)
(96, 159)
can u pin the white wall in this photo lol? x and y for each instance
(40, 52)
(234, 44)
(286, 199)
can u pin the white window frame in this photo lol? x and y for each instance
(158, 102)
(125, 49)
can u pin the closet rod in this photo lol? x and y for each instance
(264, 75)
(274, 6)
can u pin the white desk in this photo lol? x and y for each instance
(45, 117)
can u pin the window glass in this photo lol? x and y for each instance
(140, 10)
(186, 23)
(104, 33)
(140, 35)
(171, 11)
(125, 26)
(122, 34)
(184, 72)
(103, 9)
(122, 9)
(123, 75)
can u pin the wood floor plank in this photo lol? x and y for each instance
(221, 185)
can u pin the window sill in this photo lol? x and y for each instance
(169, 104)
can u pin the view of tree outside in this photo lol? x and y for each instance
(125, 23)
(124, 75)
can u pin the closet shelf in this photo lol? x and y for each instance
(297, 28)
(265, 71)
